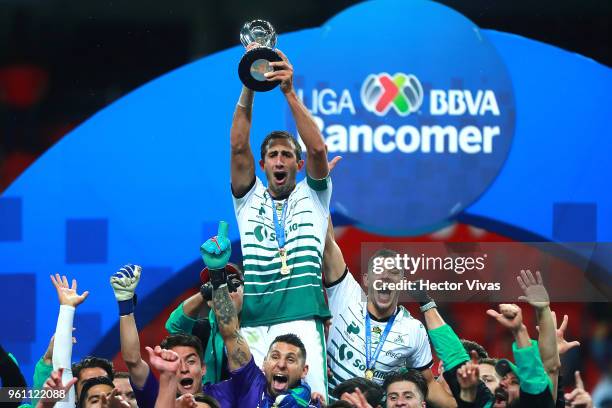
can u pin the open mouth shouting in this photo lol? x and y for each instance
(187, 384)
(280, 177)
(383, 295)
(501, 397)
(280, 383)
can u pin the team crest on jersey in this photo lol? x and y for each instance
(352, 328)
(377, 330)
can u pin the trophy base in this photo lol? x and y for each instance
(254, 64)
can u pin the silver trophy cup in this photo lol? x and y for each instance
(256, 62)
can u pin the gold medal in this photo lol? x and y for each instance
(369, 374)
(283, 256)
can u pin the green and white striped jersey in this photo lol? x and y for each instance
(269, 296)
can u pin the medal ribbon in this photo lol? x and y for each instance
(371, 359)
(279, 227)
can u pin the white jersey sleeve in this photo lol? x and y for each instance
(343, 292)
(421, 357)
(241, 203)
(321, 191)
(62, 351)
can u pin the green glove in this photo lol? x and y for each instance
(217, 250)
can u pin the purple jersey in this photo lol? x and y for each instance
(146, 396)
(251, 388)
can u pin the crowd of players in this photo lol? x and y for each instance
(296, 329)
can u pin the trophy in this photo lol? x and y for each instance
(256, 62)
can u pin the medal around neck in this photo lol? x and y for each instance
(256, 62)
(369, 374)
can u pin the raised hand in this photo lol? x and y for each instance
(66, 294)
(509, 316)
(284, 73)
(535, 292)
(113, 400)
(562, 345)
(54, 383)
(356, 398)
(164, 360)
(579, 398)
(217, 250)
(186, 401)
(468, 376)
(125, 280)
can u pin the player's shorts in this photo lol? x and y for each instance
(312, 335)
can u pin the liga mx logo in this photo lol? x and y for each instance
(381, 92)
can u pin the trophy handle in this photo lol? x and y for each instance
(246, 63)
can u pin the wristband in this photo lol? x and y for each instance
(127, 307)
(424, 298)
(429, 305)
(217, 277)
(245, 101)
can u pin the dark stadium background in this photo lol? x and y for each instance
(63, 60)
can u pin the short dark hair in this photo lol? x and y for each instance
(489, 361)
(280, 134)
(207, 399)
(292, 339)
(93, 362)
(92, 382)
(371, 391)
(470, 345)
(412, 375)
(185, 340)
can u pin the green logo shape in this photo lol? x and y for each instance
(258, 233)
(352, 328)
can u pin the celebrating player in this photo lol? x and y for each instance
(282, 229)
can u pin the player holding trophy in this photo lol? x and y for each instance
(282, 228)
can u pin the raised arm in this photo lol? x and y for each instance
(316, 162)
(215, 253)
(537, 296)
(511, 317)
(124, 284)
(242, 167)
(468, 377)
(579, 398)
(168, 363)
(185, 316)
(333, 260)
(69, 299)
(450, 350)
(535, 385)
